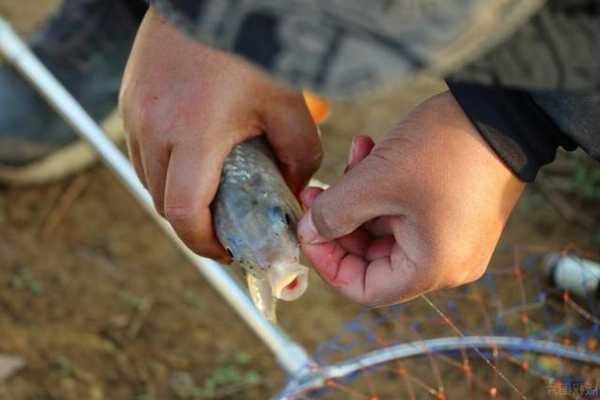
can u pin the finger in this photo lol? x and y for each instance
(380, 248)
(336, 266)
(337, 261)
(155, 161)
(381, 226)
(133, 149)
(356, 242)
(294, 139)
(342, 270)
(360, 148)
(395, 279)
(384, 275)
(363, 193)
(191, 184)
(384, 280)
(308, 195)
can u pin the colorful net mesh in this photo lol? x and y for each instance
(512, 300)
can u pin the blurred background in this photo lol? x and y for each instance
(96, 303)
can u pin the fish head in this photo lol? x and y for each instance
(265, 244)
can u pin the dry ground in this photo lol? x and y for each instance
(101, 306)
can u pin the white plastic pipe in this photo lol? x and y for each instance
(575, 274)
(291, 356)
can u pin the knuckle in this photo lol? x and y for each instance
(200, 249)
(382, 158)
(466, 264)
(375, 297)
(150, 116)
(417, 278)
(369, 298)
(424, 284)
(181, 217)
(470, 272)
(476, 273)
(186, 224)
(146, 113)
(454, 281)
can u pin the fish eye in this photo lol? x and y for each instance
(277, 215)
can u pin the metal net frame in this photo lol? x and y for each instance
(519, 337)
(473, 342)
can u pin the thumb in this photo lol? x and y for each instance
(362, 194)
(294, 138)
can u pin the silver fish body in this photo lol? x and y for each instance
(255, 217)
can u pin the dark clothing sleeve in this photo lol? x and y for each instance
(536, 91)
(513, 124)
(526, 128)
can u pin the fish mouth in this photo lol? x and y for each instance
(288, 280)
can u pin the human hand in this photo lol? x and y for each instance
(420, 211)
(185, 106)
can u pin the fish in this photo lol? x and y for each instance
(255, 216)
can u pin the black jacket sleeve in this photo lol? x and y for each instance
(518, 130)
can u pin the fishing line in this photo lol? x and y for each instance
(479, 353)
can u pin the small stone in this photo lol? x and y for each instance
(10, 365)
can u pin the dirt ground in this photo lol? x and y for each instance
(101, 306)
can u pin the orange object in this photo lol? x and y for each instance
(317, 105)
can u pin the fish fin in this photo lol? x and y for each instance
(262, 296)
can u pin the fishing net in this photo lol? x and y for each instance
(510, 335)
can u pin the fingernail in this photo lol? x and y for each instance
(307, 233)
(352, 149)
(350, 154)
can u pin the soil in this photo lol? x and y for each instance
(100, 305)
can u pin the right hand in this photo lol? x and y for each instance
(422, 210)
(185, 106)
